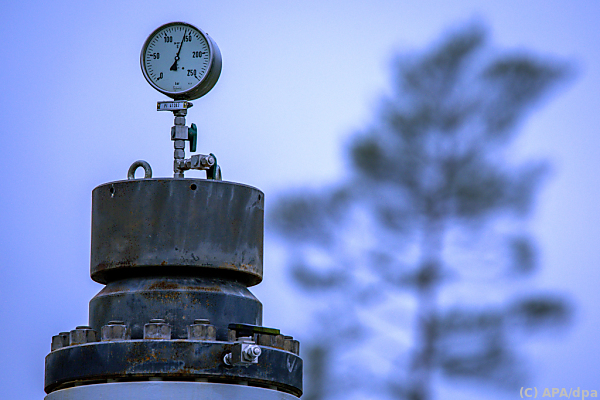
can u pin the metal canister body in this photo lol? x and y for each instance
(172, 227)
(179, 300)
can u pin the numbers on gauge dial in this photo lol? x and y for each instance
(177, 58)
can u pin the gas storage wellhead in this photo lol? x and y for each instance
(176, 319)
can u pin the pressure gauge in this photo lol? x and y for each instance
(181, 61)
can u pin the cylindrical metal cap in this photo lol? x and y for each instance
(174, 226)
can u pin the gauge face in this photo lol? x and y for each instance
(181, 61)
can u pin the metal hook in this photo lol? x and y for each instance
(136, 165)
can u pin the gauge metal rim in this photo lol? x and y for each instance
(208, 81)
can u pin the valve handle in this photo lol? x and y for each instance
(214, 172)
(193, 137)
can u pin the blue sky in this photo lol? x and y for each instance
(298, 78)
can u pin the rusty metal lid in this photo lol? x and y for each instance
(177, 226)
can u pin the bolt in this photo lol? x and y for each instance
(59, 341)
(231, 335)
(115, 330)
(202, 330)
(157, 329)
(208, 161)
(291, 345)
(279, 342)
(82, 335)
(287, 343)
(254, 351)
(251, 353)
(264, 339)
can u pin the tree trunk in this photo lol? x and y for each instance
(317, 361)
(427, 286)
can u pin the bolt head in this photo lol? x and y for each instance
(251, 353)
(82, 335)
(157, 329)
(115, 330)
(256, 351)
(59, 341)
(202, 331)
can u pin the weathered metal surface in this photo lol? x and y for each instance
(167, 390)
(177, 300)
(177, 257)
(177, 226)
(169, 359)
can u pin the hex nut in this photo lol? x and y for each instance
(287, 343)
(59, 341)
(202, 330)
(157, 329)
(264, 339)
(250, 353)
(291, 345)
(279, 342)
(231, 335)
(82, 335)
(114, 331)
(296, 347)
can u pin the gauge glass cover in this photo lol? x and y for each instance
(180, 61)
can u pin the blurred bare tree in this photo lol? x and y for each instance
(419, 262)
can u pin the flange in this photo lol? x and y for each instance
(185, 360)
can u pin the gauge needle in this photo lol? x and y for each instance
(174, 66)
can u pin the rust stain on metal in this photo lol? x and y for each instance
(164, 285)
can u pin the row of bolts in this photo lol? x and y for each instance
(159, 329)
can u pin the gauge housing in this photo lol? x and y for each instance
(162, 40)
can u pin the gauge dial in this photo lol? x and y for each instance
(181, 61)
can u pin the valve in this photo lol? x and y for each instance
(180, 133)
